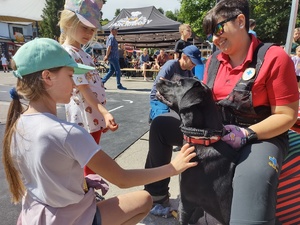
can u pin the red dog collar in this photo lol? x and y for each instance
(201, 140)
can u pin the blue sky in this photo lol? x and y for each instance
(109, 8)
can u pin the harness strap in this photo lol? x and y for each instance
(257, 61)
(205, 133)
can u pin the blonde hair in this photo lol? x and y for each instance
(297, 29)
(183, 27)
(30, 88)
(68, 24)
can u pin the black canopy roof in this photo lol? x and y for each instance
(141, 21)
(145, 28)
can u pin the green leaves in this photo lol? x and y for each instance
(272, 17)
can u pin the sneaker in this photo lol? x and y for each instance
(120, 87)
(162, 200)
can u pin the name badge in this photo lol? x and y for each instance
(248, 74)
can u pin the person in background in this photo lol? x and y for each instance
(259, 141)
(252, 25)
(185, 32)
(296, 39)
(161, 59)
(296, 60)
(87, 105)
(172, 69)
(4, 62)
(136, 60)
(121, 56)
(112, 55)
(43, 164)
(145, 63)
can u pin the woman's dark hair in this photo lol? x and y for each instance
(225, 9)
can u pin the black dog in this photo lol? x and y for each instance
(207, 186)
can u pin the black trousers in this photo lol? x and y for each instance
(163, 135)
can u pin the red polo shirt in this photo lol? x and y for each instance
(276, 83)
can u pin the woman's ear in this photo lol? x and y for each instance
(241, 20)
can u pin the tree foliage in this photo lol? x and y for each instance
(272, 17)
(172, 15)
(161, 10)
(49, 25)
(117, 12)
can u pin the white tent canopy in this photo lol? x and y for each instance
(21, 10)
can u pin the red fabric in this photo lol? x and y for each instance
(276, 83)
(96, 135)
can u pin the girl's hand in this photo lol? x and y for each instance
(182, 161)
(97, 182)
(110, 123)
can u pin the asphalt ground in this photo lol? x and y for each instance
(128, 146)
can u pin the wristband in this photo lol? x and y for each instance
(252, 136)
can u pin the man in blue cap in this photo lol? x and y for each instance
(190, 57)
(112, 55)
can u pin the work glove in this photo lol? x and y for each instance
(97, 182)
(236, 136)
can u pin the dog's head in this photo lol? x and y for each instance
(191, 99)
(182, 93)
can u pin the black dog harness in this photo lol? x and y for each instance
(237, 108)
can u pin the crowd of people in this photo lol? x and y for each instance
(54, 169)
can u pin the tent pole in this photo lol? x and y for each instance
(292, 22)
(37, 28)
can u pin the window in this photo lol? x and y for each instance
(17, 29)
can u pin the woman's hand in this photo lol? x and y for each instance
(236, 136)
(182, 161)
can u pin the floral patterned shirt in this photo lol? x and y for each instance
(78, 110)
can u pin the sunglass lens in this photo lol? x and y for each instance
(219, 30)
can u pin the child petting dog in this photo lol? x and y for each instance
(44, 156)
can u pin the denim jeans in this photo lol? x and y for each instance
(114, 66)
(157, 108)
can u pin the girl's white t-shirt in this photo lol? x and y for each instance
(78, 110)
(50, 154)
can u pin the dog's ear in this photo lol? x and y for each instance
(197, 94)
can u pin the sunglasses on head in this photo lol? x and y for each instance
(219, 28)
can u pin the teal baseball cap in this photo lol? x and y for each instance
(44, 53)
